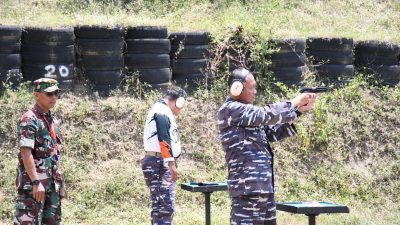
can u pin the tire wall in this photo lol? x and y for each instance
(331, 59)
(147, 54)
(289, 61)
(100, 56)
(190, 59)
(334, 60)
(50, 53)
(381, 59)
(10, 57)
(104, 56)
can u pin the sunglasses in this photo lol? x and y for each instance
(50, 94)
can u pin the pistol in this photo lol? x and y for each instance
(204, 183)
(313, 89)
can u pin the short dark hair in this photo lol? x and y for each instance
(236, 74)
(175, 92)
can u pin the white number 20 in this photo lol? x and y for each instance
(62, 70)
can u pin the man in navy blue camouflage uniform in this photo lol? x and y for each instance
(245, 133)
(162, 146)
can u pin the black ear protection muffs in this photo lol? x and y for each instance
(237, 85)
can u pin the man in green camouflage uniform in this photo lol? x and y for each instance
(39, 180)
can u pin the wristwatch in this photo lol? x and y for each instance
(292, 108)
(35, 182)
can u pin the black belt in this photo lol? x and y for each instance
(150, 153)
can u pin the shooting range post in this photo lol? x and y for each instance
(207, 188)
(311, 209)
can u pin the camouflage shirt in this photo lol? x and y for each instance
(34, 133)
(245, 132)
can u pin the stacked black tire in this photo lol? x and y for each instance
(190, 55)
(10, 58)
(331, 58)
(148, 55)
(50, 53)
(380, 59)
(289, 62)
(100, 53)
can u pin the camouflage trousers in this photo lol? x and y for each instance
(162, 189)
(253, 210)
(31, 212)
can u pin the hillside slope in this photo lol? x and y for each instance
(346, 152)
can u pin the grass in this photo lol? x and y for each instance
(359, 19)
(346, 150)
(103, 151)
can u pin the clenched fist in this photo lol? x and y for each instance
(303, 99)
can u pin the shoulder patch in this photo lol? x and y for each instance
(28, 115)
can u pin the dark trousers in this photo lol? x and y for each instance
(162, 189)
(31, 212)
(253, 210)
